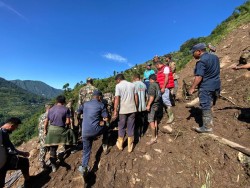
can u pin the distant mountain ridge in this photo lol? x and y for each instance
(38, 88)
(17, 102)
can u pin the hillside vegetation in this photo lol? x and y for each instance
(17, 102)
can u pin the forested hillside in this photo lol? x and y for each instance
(38, 88)
(17, 102)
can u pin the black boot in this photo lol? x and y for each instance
(206, 121)
(53, 164)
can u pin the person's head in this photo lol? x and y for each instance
(97, 95)
(48, 105)
(136, 77)
(119, 77)
(61, 99)
(156, 58)
(148, 66)
(159, 64)
(11, 124)
(71, 101)
(152, 78)
(168, 57)
(89, 80)
(198, 49)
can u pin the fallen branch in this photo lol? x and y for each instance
(231, 144)
(226, 98)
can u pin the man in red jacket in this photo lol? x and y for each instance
(166, 81)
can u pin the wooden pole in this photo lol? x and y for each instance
(231, 144)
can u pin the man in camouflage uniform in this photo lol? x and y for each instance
(107, 100)
(85, 94)
(172, 66)
(70, 105)
(42, 136)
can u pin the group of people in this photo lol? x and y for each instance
(136, 104)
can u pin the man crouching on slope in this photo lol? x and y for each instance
(207, 79)
(10, 157)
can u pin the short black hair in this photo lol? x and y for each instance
(119, 77)
(168, 56)
(153, 77)
(14, 120)
(158, 62)
(61, 99)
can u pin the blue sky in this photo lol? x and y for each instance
(66, 41)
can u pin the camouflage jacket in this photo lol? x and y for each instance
(172, 66)
(85, 94)
(41, 120)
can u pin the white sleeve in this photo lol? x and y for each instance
(166, 70)
(117, 90)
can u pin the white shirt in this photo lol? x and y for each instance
(126, 91)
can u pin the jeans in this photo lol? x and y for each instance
(87, 141)
(208, 98)
(166, 97)
(147, 83)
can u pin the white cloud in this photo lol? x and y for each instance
(115, 57)
(4, 5)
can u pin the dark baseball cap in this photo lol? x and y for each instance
(97, 93)
(199, 46)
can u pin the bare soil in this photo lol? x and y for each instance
(186, 160)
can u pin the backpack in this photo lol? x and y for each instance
(3, 155)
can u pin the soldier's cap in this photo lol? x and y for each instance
(89, 79)
(149, 64)
(97, 93)
(200, 46)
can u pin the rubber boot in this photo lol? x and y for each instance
(53, 164)
(130, 144)
(170, 115)
(119, 143)
(206, 121)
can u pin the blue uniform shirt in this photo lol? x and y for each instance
(93, 111)
(208, 67)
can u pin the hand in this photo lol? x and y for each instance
(235, 67)
(191, 91)
(114, 116)
(162, 90)
(45, 132)
(148, 108)
(24, 154)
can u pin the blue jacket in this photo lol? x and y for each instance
(208, 67)
(93, 111)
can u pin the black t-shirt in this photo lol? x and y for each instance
(154, 90)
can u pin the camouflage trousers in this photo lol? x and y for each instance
(43, 149)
